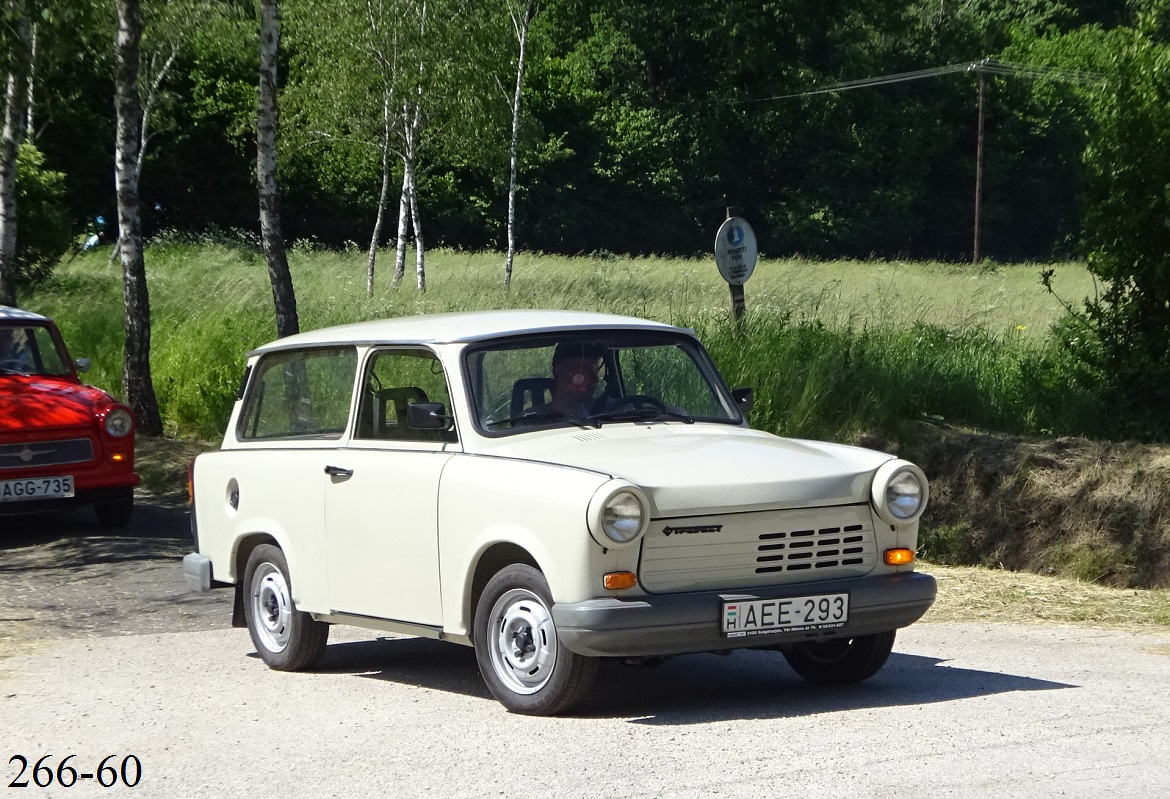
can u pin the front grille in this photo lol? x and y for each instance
(31, 454)
(747, 550)
(804, 550)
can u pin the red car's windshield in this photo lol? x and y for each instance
(31, 349)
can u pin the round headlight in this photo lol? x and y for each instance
(618, 514)
(899, 492)
(119, 423)
(621, 517)
(904, 495)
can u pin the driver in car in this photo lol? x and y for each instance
(577, 369)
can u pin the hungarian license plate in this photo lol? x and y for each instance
(786, 615)
(36, 488)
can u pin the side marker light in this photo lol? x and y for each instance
(616, 581)
(899, 557)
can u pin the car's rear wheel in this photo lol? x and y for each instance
(116, 514)
(522, 661)
(285, 638)
(842, 661)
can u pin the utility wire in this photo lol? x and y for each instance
(988, 65)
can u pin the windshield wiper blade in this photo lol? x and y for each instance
(536, 417)
(638, 415)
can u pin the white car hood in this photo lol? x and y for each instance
(699, 468)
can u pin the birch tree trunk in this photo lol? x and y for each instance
(30, 128)
(420, 250)
(283, 296)
(10, 138)
(377, 235)
(144, 128)
(413, 131)
(521, 21)
(136, 380)
(403, 222)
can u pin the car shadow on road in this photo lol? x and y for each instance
(73, 539)
(421, 662)
(691, 689)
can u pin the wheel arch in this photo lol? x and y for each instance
(496, 557)
(243, 550)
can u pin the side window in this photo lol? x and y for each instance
(393, 380)
(300, 394)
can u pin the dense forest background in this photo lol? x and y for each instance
(643, 120)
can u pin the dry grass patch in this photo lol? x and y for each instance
(162, 464)
(977, 594)
(1093, 510)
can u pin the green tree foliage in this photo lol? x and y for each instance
(45, 230)
(644, 121)
(1127, 226)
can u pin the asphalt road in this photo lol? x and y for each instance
(961, 710)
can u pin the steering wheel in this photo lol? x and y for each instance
(14, 365)
(638, 400)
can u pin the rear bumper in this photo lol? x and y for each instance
(681, 623)
(197, 571)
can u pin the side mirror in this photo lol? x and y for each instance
(428, 416)
(82, 364)
(744, 399)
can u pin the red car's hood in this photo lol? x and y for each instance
(37, 402)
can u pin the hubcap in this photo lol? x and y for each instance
(524, 641)
(271, 607)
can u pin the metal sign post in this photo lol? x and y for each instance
(735, 255)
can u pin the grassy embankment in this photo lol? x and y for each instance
(910, 357)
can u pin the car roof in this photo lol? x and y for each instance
(8, 312)
(464, 327)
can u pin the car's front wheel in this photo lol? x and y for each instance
(522, 661)
(842, 661)
(285, 638)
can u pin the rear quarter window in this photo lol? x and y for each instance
(300, 394)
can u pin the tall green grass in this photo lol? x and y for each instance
(832, 350)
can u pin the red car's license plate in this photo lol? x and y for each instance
(36, 488)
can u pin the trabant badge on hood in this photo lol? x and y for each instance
(701, 528)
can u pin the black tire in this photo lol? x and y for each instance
(285, 638)
(520, 656)
(115, 515)
(842, 661)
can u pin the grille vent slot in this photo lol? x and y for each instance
(802, 550)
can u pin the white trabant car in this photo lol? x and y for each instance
(550, 488)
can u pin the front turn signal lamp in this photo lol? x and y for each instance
(899, 556)
(616, 581)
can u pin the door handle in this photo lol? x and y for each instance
(337, 471)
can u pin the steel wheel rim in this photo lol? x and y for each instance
(271, 607)
(523, 641)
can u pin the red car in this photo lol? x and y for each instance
(63, 444)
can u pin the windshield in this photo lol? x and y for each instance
(28, 349)
(578, 379)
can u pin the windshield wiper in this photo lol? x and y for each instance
(638, 415)
(536, 417)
